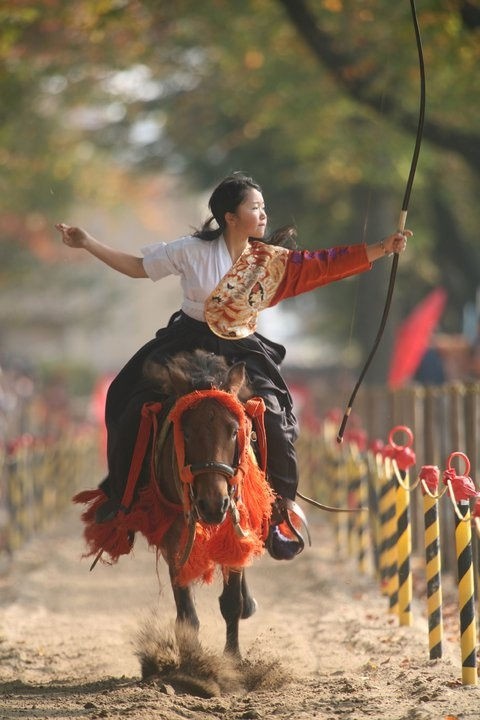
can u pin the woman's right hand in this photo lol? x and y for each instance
(74, 237)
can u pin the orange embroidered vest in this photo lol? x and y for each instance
(231, 310)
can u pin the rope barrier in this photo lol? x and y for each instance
(384, 471)
(38, 477)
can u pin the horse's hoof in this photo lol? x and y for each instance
(234, 656)
(249, 608)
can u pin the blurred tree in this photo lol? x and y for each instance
(317, 100)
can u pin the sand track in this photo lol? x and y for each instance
(322, 642)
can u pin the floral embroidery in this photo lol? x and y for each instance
(231, 310)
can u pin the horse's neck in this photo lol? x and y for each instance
(167, 475)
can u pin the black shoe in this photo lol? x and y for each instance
(281, 547)
(107, 511)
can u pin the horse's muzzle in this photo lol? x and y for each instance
(212, 512)
(212, 506)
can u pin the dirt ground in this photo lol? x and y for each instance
(321, 645)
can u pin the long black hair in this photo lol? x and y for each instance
(226, 197)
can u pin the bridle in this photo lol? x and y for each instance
(229, 471)
(245, 414)
(191, 511)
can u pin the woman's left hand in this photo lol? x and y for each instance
(396, 243)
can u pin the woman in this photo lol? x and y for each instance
(228, 274)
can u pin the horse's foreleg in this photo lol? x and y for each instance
(186, 612)
(249, 604)
(231, 607)
(183, 596)
(184, 602)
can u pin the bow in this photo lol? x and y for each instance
(401, 223)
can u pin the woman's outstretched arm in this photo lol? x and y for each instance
(124, 263)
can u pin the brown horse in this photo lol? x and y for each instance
(199, 494)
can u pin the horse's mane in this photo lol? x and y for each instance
(189, 371)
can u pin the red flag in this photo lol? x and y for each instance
(413, 337)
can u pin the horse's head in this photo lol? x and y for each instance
(209, 426)
(210, 431)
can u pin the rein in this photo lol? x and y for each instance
(328, 508)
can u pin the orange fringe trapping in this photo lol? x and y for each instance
(153, 516)
(220, 545)
(115, 537)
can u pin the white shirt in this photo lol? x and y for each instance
(201, 265)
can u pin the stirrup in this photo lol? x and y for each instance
(278, 545)
(283, 507)
(281, 547)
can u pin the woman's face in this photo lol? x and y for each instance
(250, 218)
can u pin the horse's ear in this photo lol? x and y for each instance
(236, 378)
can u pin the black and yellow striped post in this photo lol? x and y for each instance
(429, 476)
(362, 518)
(18, 485)
(461, 489)
(403, 458)
(357, 443)
(339, 500)
(476, 526)
(389, 533)
(335, 458)
(387, 525)
(375, 473)
(353, 486)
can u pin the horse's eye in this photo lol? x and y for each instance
(234, 433)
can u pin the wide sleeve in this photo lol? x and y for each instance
(308, 269)
(162, 259)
